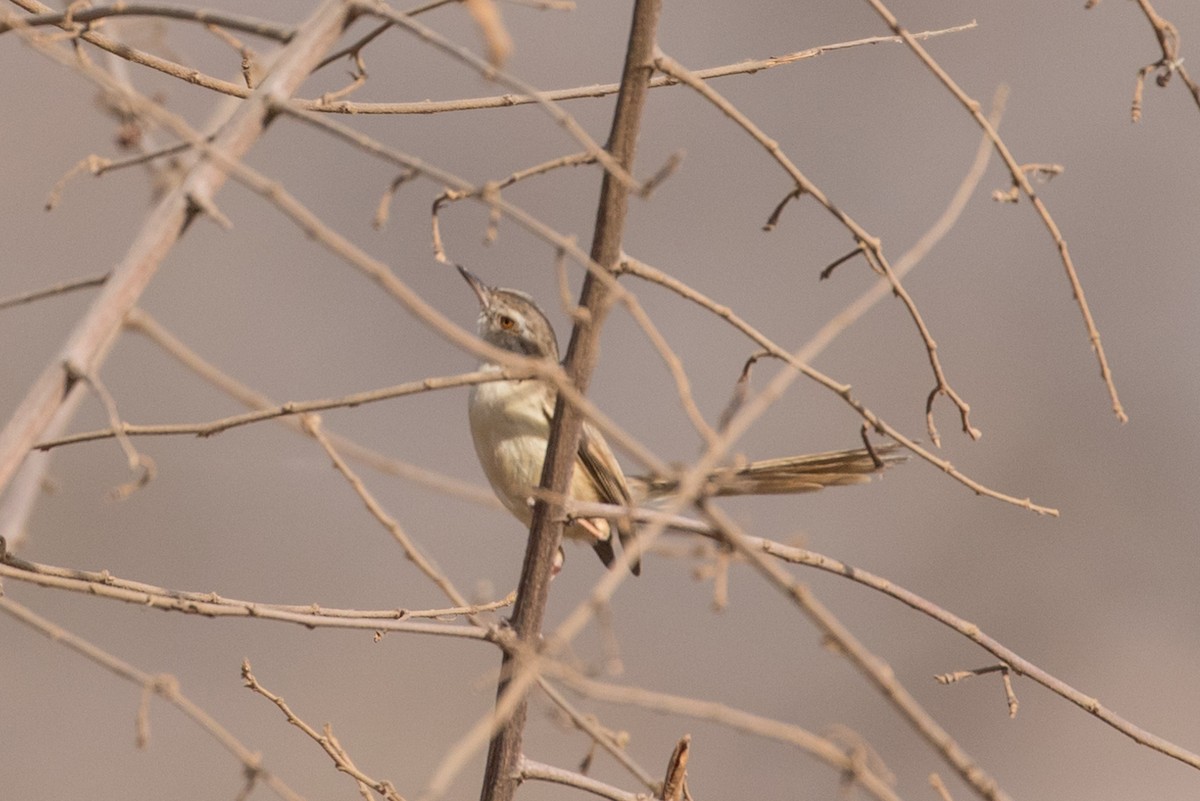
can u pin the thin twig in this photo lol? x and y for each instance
(872, 667)
(61, 288)
(749, 67)
(132, 54)
(211, 605)
(214, 427)
(488, 193)
(816, 746)
(328, 743)
(870, 244)
(588, 725)
(82, 16)
(973, 108)
(140, 321)
(137, 461)
(1169, 64)
(95, 333)
(798, 363)
(164, 686)
(527, 769)
(355, 49)
(98, 166)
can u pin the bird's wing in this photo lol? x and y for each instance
(605, 472)
(597, 461)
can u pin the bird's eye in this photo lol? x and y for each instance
(507, 323)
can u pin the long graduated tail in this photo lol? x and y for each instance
(784, 476)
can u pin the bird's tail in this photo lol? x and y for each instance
(785, 476)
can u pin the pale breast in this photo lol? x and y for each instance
(510, 428)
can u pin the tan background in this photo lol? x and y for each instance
(1105, 597)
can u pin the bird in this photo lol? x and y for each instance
(510, 427)
(511, 419)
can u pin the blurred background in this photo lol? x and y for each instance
(1105, 597)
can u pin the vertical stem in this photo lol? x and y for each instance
(545, 533)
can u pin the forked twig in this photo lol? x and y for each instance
(140, 321)
(326, 740)
(798, 364)
(973, 108)
(95, 333)
(872, 667)
(870, 245)
(164, 686)
(1170, 63)
(103, 584)
(748, 67)
(821, 748)
(122, 431)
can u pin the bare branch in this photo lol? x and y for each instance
(103, 584)
(94, 335)
(214, 427)
(1011, 660)
(329, 744)
(870, 245)
(50, 291)
(537, 771)
(164, 686)
(973, 108)
(749, 67)
(816, 746)
(81, 16)
(872, 667)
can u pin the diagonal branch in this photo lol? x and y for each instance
(869, 245)
(871, 666)
(164, 686)
(973, 108)
(92, 338)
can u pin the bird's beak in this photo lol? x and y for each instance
(482, 290)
